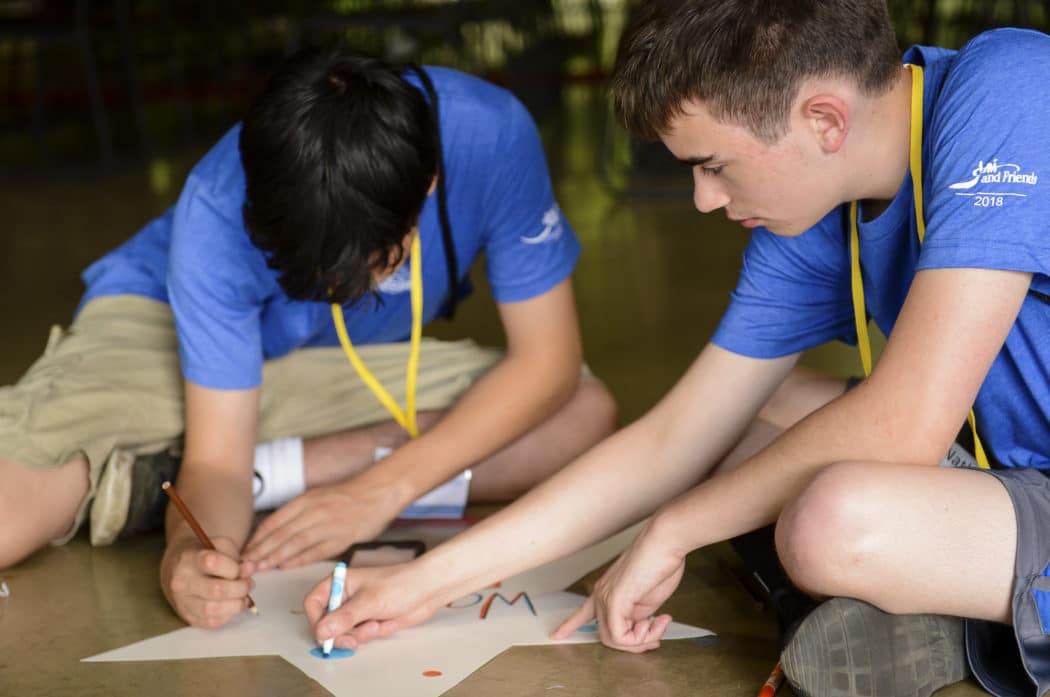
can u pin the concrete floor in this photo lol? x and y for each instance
(652, 281)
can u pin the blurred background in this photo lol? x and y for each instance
(113, 81)
(106, 104)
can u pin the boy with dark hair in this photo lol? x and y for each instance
(911, 193)
(346, 209)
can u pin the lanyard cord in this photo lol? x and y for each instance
(406, 418)
(860, 314)
(451, 264)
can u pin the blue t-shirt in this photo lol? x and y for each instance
(986, 184)
(230, 312)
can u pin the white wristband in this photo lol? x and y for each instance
(279, 473)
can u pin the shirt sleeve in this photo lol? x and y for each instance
(529, 247)
(793, 293)
(214, 293)
(987, 195)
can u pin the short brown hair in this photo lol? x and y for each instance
(745, 59)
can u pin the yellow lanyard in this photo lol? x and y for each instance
(860, 315)
(406, 418)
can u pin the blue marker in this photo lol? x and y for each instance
(335, 599)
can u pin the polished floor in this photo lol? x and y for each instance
(650, 286)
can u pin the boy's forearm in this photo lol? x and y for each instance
(754, 493)
(221, 503)
(511, 399)
(215, 479)
(615, 484)
(619, 481)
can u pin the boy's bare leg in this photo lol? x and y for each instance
(905, 538)
(875, 531)
(37, 506)
(335, 457)
(586, 419)
(905, 551)
(802, 392)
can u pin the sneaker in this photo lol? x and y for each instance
(768, 582)
(129, 499)
(848, 648)
(791, 607)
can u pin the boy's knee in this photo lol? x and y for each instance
(12, 550)
(16, 541)
(825, 535)
(37, 506)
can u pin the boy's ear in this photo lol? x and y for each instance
(828, 118)
(433, 185)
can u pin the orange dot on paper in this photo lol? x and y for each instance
(432, 673)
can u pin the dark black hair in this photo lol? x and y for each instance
(339, 152)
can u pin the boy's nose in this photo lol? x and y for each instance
(707, 196)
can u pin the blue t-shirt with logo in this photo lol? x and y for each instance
(231, 314)
(986, 184)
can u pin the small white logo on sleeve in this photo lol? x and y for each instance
(552, 227)
(992, 184)
(398, 282)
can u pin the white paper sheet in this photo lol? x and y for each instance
(456, 641)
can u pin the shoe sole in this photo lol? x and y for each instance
(129, 498)
(847, 648)
(109, 510)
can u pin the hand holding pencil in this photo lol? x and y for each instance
(206, 587)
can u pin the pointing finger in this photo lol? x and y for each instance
(583, 615)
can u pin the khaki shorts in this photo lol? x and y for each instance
(112, 381)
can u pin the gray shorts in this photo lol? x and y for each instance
(1015, 661)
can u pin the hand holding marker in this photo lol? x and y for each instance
(335, 599)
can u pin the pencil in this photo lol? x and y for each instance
(169, 489)
(773, 683)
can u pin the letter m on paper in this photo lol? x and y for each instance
(488, 603)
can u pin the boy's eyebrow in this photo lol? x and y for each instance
(698, 161)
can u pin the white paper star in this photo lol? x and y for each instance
(455, 642)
